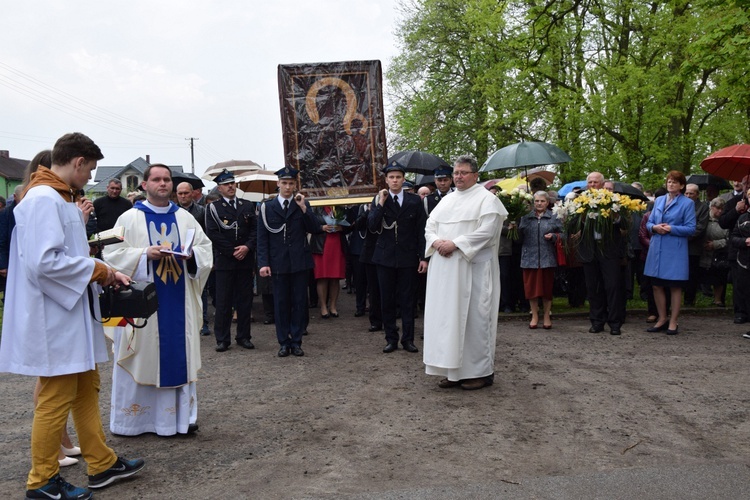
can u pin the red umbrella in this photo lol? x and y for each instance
(731, 163)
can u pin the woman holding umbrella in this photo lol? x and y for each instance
(671, 223)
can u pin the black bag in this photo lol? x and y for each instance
(137, 300)
(720, 262)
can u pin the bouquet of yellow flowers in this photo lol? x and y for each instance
(518, 204)
(596, 211)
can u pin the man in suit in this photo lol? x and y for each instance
(734, 207)
(231, 226)
(695, 243)
(284, 254)
(371, 270)
(601, 257)
(443, 179)
(184, 193)
(400, 218)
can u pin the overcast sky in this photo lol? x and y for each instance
(139, 77)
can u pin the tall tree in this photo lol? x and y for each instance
(629, 88)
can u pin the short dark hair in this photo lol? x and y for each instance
(468, 160)
(74, 145)
(147, 172)
(678, 176)
(116, 181)
(43, 158)
(537, 184)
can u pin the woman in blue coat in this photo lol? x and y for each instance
(671, 223)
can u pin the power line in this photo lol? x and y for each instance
(93, 111)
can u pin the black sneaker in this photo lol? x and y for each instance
(122, 468)
(59, 489)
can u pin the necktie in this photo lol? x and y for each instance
(395, 200)
(231, 203)
(286, 206)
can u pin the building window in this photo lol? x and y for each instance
(132, 183)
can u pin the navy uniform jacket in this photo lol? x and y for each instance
(224, 240)
(285, 251)
(403, 244)
(430, 201)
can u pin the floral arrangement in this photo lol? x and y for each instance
(518, 203)
(335, 216)
(596, 211)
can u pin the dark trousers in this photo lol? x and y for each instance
(397, 286)
(605, 292)
(373, 292)
(691, 288)
(233, 287)
(505, 292)
(360, 283)
(740, 291)
(290, 306)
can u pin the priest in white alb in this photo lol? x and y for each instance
(154, 378)
(463, 282)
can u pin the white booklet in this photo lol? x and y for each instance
(187, 247)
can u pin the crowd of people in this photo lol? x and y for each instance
(446, 249)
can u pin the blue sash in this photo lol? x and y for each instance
(169, 278)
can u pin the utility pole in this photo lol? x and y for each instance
(192, 153)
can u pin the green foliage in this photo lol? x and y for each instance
(628, 88)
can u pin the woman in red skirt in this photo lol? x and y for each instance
(329, 256)
(538, 232)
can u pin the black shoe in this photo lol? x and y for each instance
(672, 332)
(297, 351)
(410, 347)
(245, 343)
(305, 332)
(375, 328)
(268, 321)
(205, 331)
(359, 313)
(596, 329)
(392, 346)
(614, 331)
(122, 468)
(659, 328)
(283, 351)
(192, 428)
(222, 346)
(57, 487)
(739, 320)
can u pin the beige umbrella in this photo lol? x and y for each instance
(237, 167)
(260, 181)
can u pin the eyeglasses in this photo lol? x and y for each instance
(462, 174)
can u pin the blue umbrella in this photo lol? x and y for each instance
(567, 188)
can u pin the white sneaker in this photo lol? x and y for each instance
(746, 335)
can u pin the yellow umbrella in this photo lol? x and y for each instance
(512, 183)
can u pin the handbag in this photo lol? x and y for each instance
(560, 250)
(136, 300)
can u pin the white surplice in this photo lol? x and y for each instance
(48, 329)
(463, 290)
(139, 404)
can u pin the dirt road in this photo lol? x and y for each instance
(347, 419)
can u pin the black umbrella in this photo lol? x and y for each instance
(705, 180)
(525, 154)
(627, 189)
(423, 179)
(194, 180)
(417, 161)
